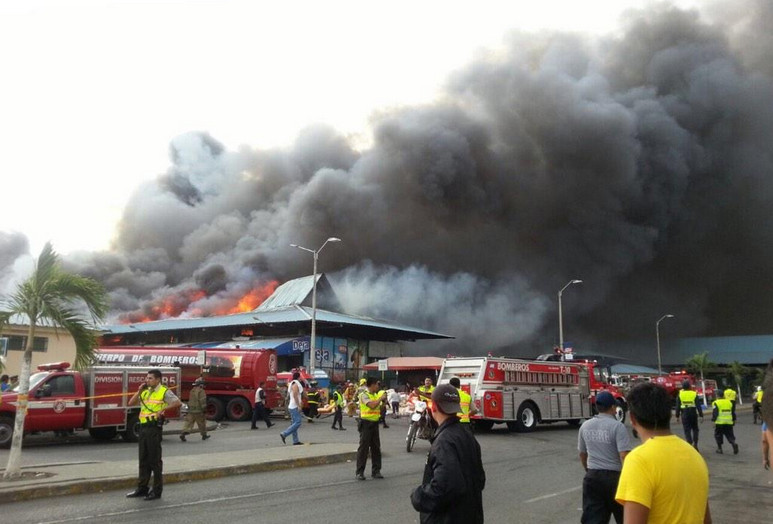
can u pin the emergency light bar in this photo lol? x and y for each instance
(54, 366)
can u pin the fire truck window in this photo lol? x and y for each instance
(62, 385)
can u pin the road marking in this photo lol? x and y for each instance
(156, 509)
(551, 495)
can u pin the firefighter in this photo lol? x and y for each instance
(312, 397)
(723, 416)
(465, 401)
(154, 399)
(370, 408)
(197, 405)
(690, 409)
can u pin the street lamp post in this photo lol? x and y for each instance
(561, 318)
(657, 337)
(313, 349)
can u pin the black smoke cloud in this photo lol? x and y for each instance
(639, 163)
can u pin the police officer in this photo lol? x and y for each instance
(370, 411)
(465, 402)
(731, 395)
(154, 399)
(690, 409)
(723, 416)
(338, 403)
(757, 404)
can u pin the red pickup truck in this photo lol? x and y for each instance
(61, 399)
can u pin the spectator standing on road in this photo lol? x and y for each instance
(154, 399)
(338, 404)
(295, 391)
(370, 412)
(465, 402)
(451, 490)
(394, 401)
(259, 408)
(664, 480)
(723, 416)
(197, 405)
(690, 409)
(603, 444)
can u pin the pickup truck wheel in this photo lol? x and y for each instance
(132, 433)
(527, 417)
(215, 409)
(6, 431)
(238, 409)
(103, 433)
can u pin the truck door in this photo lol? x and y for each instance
(56, 403)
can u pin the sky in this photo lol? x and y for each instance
(95, 91)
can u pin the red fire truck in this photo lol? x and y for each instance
(61, 399)
(231, 375)
(521, 393)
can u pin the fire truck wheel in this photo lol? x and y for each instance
(103, 433)
(620, 412)
(6, 432)
(215, 409)
(132, 433)
(238, 409)
(527, 417)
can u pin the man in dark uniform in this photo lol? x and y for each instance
(312, 397)
(154, 399)
(339, 402)
(452, 487)
(689, 407)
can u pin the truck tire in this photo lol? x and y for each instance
(527, 417)
(132, 433)
(215, 409)
(6, 431)
(238, 409)
(103, 433)
(620, 411)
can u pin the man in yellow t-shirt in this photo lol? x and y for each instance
(664, 480)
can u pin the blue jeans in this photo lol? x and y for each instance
(295, 417)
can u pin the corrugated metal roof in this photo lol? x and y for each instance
(721, 350)
(273, 316)
(290, 293)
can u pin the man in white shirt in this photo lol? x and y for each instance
(295, 391)
(259, 408)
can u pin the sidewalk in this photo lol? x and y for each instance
(53, 480)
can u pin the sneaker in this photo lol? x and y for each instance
(283, 438)
(270, 424)
(359, 476)
(333, 427)
(204, 437)
(341, 429)
(299, 443)
(386, 427)
(735, 449)
(377, 476)
(182, 437)
(719, 450)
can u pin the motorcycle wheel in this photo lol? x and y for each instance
(410, 440)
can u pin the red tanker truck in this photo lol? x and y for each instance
(231, 376)
(62, 400)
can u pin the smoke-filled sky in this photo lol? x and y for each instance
(637, 159)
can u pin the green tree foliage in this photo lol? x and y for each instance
(51, 297)
(699, 363)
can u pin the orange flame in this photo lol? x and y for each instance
(252, 299)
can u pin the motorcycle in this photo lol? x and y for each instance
(756, 412)
(421, 425)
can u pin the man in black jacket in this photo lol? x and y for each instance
(452, 488)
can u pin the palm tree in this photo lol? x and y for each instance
(699, 363)
(51, 297)
(738, 370)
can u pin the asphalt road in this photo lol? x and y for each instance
(532, 478)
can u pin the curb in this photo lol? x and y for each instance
(88, 486)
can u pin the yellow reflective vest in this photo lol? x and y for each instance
(464, 402)
(730, 394)
(725, 412)
(367, 412)
(428, 392)
(152, 403)
(687, 398)
(758, 396)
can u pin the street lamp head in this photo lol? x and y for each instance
(294, 245)
(333, 239)
(669, 316)
(576, 281)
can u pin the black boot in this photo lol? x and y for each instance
(139, 492)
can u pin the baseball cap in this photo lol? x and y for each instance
(605, 399)
(446, 397)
